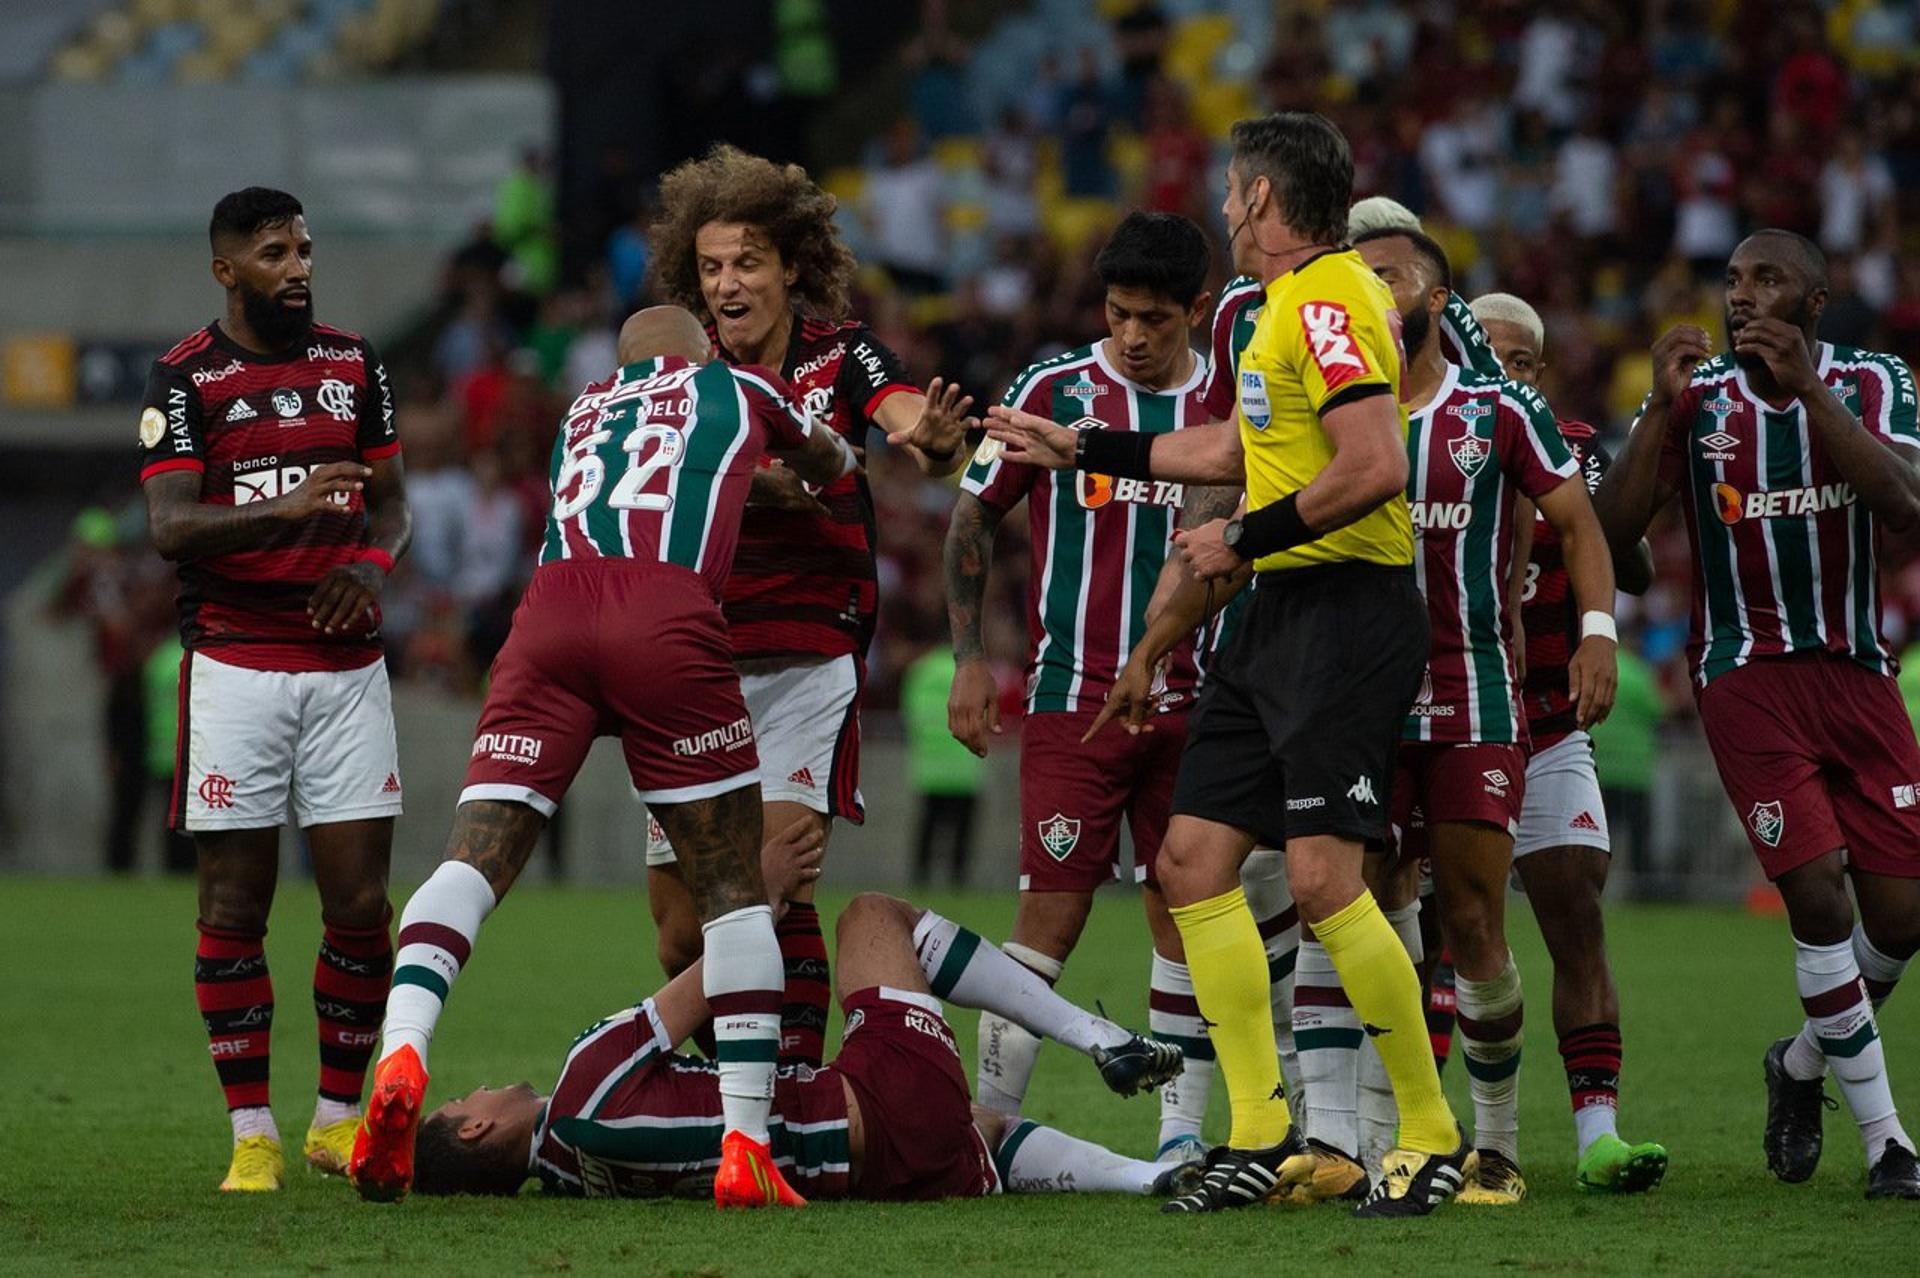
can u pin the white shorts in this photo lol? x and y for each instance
(802, 716)
(255, 743)
(1562, 806)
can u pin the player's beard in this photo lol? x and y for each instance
(276, 325)
(1414, 327)
(1753, 361)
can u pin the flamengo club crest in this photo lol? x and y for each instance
(1768, 821)
(1058, 835)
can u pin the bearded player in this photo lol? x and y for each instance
(1475, 446)
(650, 471)
(1791, 456)
(750, 247)
(273, 477)
(1561, 851)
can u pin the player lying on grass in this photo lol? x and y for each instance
(890, 1119)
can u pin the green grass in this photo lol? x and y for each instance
(113, 1136)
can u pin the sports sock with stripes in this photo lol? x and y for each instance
(235, 995)
(1229, 968)
(1840, 1020)
(803, 955)
(1263, 877)
(437, 929)
(1327, 1035)
(349, 1000)
(1880, 971)
(1173, 1016)
(1033, 1159)
(1491, 1013)
(1380, 982)
(1592, 1057)
(1443, 1007)
(742, 979)
(1378, 1118)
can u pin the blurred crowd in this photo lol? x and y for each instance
(1600, 159)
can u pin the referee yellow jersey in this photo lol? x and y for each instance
(1327, 335)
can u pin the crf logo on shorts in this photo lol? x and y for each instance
(1333, 347)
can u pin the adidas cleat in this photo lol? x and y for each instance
(1413, 1183)
(1496, 1183)
(1896, 1175)
(1793, 1137)
(328, 1149)
(1138, 1065)
(748, 1178)
(1179, 1179)
(1243, 1177)
(259, 1167)
(1611, 1166)
(381, 1166)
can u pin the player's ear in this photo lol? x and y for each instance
(474, 1130)
(223, 273)
(1201, 308)
(1816, 304)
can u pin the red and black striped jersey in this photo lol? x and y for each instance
(252, 427)
(629, 1117)
(1548, 612)
(806, 585)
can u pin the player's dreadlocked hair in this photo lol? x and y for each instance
(445, 1164)
(729, 185)
(240, 214)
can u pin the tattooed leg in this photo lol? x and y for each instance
(717, 843)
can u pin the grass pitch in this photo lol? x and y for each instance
(113, 1136)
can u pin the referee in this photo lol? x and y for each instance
(1292, 743)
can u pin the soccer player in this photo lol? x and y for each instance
(620, 632)
(750, 247)
(1475, 445)
(1791, 455)
(1098, 545)
(273, 478)
(1293, 739)
(1560, 850)
(889, 1120)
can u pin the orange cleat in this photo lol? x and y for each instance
(381, 1167)
(748, 1178)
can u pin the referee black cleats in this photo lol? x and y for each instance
(1243, 1177)
(1896, 1175)
(1138, 1065)
(1794, 1137)
(1413, 1183)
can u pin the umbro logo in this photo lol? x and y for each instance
(240, 411)
(801, 776)
(1361, 791)
(1718, 446)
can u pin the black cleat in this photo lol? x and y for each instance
(1896, 1175)
(1243, 1177)
(1413, 1184)
(1138, 1065)
(1178, 1180)
(1793, 1137)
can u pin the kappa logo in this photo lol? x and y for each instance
(1768, 822)
(241, 411)
(1331, 342)
(286, 402)
(336, 399)
(1361, 791)
(1585, 822)
(1059, 835)
(1469, 453)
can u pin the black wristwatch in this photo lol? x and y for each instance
(1231, 534)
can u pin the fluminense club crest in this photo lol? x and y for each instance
(1058, 835)
(1769, 821)
(1469, 453)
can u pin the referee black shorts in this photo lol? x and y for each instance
(1295, 732)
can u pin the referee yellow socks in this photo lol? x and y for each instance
(1229, 967)
(1381, 985)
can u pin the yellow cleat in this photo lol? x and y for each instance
(257, 1166)
(328, 1148)
(1336, 1177)
(1498, 1183)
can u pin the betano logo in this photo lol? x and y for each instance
(1095, 491)
(1440, 516)
(1782, 503)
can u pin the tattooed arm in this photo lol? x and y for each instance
(973, 709)
(1204, 503)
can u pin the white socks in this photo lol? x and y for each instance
(1174, 1017)
(1490, 1019)
(437, 931)
(966, 969)
(1327, 1034)
(253, 1120)
(1379, 1116)
(1841, 1025)
(1263, 880)
(1039, 1160)
(745, 984)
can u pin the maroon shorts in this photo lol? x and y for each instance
(899, 1055)
(1073, 796)
(610, 647)
(1435, 783)
(1817, 753)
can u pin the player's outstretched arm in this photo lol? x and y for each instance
(1633, 490)
(973, 706)
(184, 527)
(1209, 454)
(931, 427)
(349, 592)
(823, 458)
(1591, 672)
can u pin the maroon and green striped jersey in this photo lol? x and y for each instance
(1234, 316)
(1473, 447)
(1098, 542)
(654, 463)
(629, 1117)
(1784, 547)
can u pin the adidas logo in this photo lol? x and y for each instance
(802, 776)
(1584, 821)
(240, 411)
(392, 785)
(1361, 791)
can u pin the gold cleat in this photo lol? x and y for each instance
(1336, 1177)
(328, 1148)
(257, 1166)
(1498, 1183)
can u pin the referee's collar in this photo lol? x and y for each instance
(1342, 247)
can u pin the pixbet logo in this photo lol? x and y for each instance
(208, 376)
